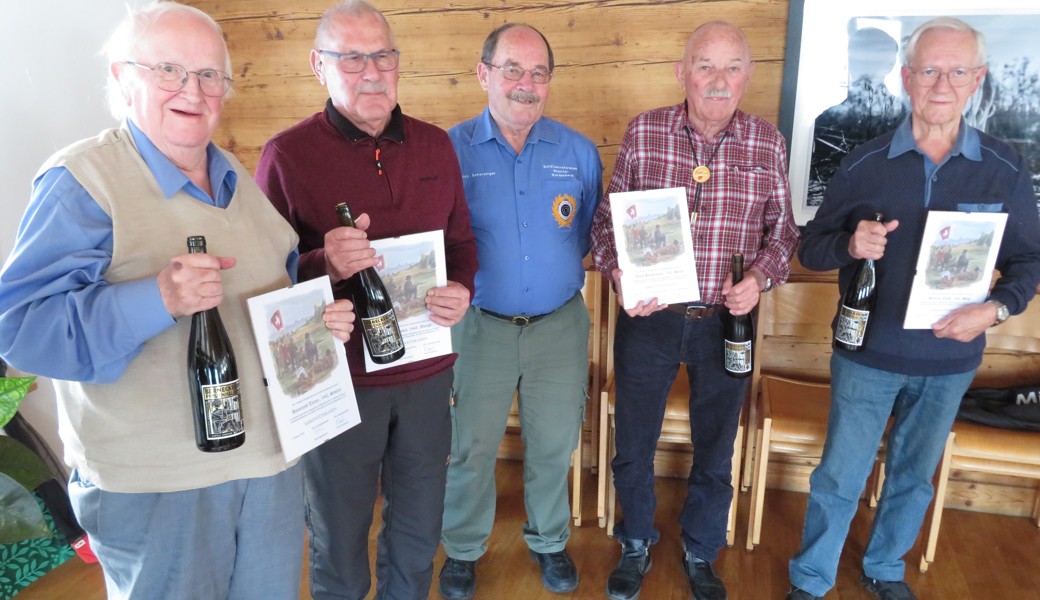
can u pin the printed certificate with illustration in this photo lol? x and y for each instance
(655, 253)
(409, 266)
(955, 264)
(305, 367)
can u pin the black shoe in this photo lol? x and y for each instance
(800, 594)
(559, 575)
(626, 579)
(704, 583)
(458, 579)
(887, 590)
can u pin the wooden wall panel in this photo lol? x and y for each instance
(614, 59)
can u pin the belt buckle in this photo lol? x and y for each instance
(697, 312)
(520, 320)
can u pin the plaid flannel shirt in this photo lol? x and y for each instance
(744, 207)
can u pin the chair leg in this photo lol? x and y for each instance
(731, 526)
(604, 458)
(758, 484)
(611, 491)
(576, 472)
(935, 514)
(750, 448)
(877, 482)
(1036, 509)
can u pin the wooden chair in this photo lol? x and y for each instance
(593, 294)
(991, 450)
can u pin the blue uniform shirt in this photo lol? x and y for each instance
(531, 213)
(85, 329)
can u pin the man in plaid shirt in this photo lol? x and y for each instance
(742, 206)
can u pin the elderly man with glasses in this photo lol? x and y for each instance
(399, 176)
(98, 293)
(934, 161)
(532, 185)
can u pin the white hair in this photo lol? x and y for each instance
(910, 48)
(123, 43)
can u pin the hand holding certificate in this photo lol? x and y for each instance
(652, 236)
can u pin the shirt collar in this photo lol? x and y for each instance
(734, 128)
(488, 129)
(171, 179)
(394, 129)
(967, 143)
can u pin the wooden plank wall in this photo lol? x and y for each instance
(614, 59)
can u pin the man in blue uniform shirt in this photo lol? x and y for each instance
(532, 185)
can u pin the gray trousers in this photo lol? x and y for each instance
(402, 445)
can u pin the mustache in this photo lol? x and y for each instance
(522, 96)
(718, 93)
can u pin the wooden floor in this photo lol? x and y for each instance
(980, 557)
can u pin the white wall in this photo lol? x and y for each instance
(54, 76)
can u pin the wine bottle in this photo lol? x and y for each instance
(857, 304)
(374, 307)
(738, 332)
(213, 378)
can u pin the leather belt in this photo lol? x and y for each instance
(696, 312)
(518, 320)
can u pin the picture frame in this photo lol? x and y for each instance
(828, 45)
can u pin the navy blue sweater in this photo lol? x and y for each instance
(981, 170)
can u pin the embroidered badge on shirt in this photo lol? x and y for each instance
(563, 209)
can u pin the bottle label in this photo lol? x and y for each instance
(223, 410)
(738, 356)
(384, 336)
(852, 326)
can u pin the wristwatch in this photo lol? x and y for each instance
(1002, 311)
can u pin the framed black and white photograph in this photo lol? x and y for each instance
(842, 83)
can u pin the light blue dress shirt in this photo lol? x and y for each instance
(83, 327)
(531, 213)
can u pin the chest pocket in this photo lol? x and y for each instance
(983, 208)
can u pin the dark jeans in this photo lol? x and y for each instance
(648, 352)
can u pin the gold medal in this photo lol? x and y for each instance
(701, 174)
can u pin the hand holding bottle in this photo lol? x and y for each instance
(347, 250)
(191, 283)
(741, 298)
(870, 238)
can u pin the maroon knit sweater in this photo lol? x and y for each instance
(324, 160)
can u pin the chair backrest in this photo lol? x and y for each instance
(1012, 355)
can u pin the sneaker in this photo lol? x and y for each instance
(559, 575)
(887, 590)
(800, 594)
(458, 579)
(704, 583)
(626, 579)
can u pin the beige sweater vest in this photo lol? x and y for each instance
(136, 435)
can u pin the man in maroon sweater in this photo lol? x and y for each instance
(399, 176)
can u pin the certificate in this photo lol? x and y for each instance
(955, 264)
(305, 367)
(655, 252)
(409, 266)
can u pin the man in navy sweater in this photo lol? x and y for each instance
(934, 161)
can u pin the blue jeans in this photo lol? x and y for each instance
(241, 539)
(862, 399)
(648, 352)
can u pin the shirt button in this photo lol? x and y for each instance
(525, 223)
(522, 192)
(527, 258)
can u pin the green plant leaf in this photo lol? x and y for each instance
(20, 515)
(12, 391)
(22, 464)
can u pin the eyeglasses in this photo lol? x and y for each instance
(959, 77)
(173, 78)
(355, 62)
(515, 73)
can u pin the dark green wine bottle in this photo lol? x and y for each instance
(857, 304)
(738, 332)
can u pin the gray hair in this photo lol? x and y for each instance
(123, 43)
(487, 53)
(953, 23)
(350, 8)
